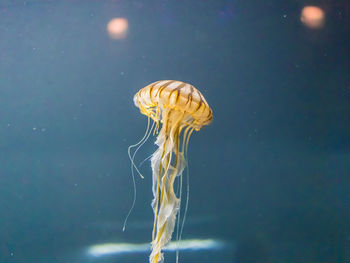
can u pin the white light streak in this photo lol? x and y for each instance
(106, 249)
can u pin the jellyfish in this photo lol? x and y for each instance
(176, 109)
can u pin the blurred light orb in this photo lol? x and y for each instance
(117, 28)
(312, 17)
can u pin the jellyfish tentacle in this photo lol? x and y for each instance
(178, 231)
(187, 185)
(138, 145)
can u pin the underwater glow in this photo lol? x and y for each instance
(180, 109)
(106, 249)
(117, 28)
(312, 17)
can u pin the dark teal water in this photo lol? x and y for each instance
(269, 178)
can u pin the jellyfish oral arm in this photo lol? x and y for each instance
(167, 163)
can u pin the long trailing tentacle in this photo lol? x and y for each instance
(185, 139)
(188, 184)
(138, 145)
(179, 194)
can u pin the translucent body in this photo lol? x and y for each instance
(180, 108)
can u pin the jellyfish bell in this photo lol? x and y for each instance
(179, 108)
(176, 97)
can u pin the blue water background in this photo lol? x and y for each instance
(269, 176)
